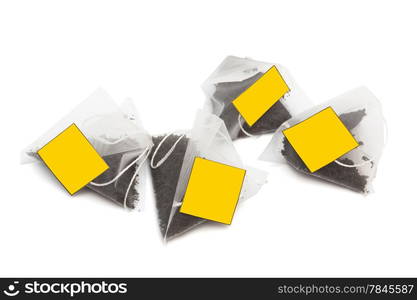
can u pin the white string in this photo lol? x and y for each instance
(385, 131)
(239, 118)
(227, 138)
(163, 159)
(145, 153)
(106, 141)
(370, 160)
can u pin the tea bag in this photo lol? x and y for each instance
(165, 179)
(233, 77)
(361, 113)
(118, 137)
(171, 161)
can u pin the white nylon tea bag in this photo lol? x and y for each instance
(117, 135)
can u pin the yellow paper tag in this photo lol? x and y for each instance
(253, 103)
(320, 139)
(213, 191)
(72, 159)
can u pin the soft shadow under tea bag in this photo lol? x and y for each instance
(171, 161)
(360, 112)
(234, 77)
(117, 136)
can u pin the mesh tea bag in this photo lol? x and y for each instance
(117, 135)
(171, 161)
(168, 152)
(361, 113)
(233, 77)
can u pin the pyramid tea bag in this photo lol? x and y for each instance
(232, 78)
(118, 137)
(124, 182)
(171, 161)
(360, 112)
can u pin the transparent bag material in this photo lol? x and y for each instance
(232, 78)
(166, 159)
(117, 135)
(361, 113)
(208, 139)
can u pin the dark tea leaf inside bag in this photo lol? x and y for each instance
(334, 172)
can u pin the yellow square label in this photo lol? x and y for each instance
(72, 159)
(253, 103)
(213, 190)
(320, 139)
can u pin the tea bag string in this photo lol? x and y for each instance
(148, 151)
(239, 119)
(163, 159)
(371, 159)
(144, 154)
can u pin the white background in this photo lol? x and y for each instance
(53, 54)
